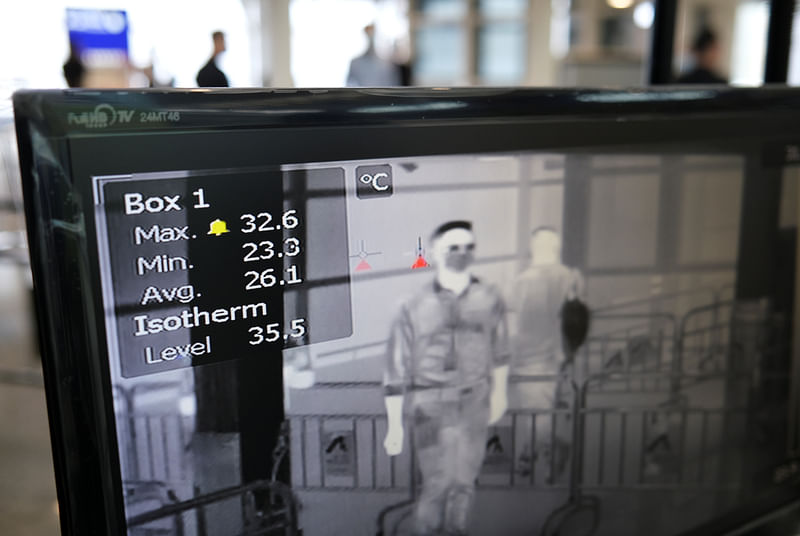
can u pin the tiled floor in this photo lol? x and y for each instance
(27, 486)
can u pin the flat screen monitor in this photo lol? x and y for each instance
(422, 311)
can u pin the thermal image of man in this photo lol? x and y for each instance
(539, 294)
(447, 367)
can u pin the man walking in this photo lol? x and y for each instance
(540, 293)
(211, 75)
(448, 365)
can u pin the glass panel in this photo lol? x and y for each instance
(749, 47)
(440, 54)
(710, 211)
(596, 44)
(623, 221)
(501, 52)
(443, 8)
(502, 8)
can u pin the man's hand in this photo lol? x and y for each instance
(498, 404)
(394, 440)
(394, 423)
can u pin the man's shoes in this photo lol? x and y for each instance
(524, 465)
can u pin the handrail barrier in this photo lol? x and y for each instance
(710, 293)
(579, 503)
(414, 479)
(629, 438)
(632, 343)
(621, 309)
(268, 508)
(153, 441)
(657, 439)
(704, 338)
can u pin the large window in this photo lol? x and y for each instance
(475, 42)
(530, 42)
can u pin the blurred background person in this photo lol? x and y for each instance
(74, 69)
(706, 57)
(369, 69)
(540, 293)
(211, 75)
(401, 57)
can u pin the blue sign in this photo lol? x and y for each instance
(98, 29)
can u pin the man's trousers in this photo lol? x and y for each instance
(450, 427)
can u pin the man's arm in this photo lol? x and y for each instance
(499, 398)
(394, 381)
(394, 430)
(501, 350)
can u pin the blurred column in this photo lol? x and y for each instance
(752, 318)
(758, 231)
(252, 11)
(575, 219)
(779, 41)
(723, 20)
(541, 65)
(663, 38)
(275, 40)
(587, 20)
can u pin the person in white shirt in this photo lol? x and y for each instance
(539, 293)
(369, 69)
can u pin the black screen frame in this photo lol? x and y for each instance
(263, 127)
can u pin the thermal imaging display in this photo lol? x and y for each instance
(432, 312)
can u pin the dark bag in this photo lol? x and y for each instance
(575, 318)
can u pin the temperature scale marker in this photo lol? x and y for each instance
(420, 253)
(362, 254)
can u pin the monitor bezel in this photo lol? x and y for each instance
(298, 126)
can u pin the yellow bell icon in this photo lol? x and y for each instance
(218, 227)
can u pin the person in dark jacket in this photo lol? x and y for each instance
(211, 75)
(74, 69)
(705, 50)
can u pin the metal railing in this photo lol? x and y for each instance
(155, 445)
(644, 442)
(267, 508)
(644, 309)
(662, 301)
(628, 336)
(704, 338)
(626, 343)
(665, 426)
(667, 446)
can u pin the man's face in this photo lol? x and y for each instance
(545, 244)
(219, 44)
(455, 250)
(709, 58)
